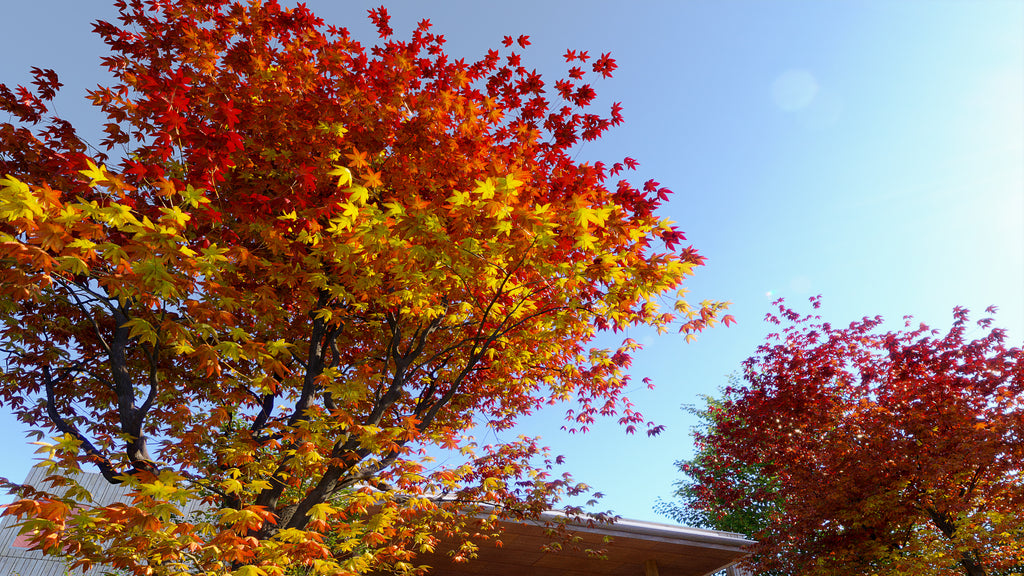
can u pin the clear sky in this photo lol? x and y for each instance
(871, 152)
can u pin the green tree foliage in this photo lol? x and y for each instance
(693, 506)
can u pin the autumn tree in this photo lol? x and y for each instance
(886, 452)
(300, 263)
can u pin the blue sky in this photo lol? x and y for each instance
(871, 152)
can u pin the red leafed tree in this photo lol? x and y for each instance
(887, 452)
(300, 263)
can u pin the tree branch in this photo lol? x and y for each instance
(97, 457)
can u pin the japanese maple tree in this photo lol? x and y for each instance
(301, 262)
(883, 452)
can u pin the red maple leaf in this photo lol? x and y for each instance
(605, 65)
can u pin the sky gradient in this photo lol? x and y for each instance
(870, 152)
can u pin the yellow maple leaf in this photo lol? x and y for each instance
(358, 195)
(344, 175)
(503, 227)
(459, 198)
(485, 189)
(511, 183)
(96, 174)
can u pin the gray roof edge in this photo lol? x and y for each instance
(657, 530)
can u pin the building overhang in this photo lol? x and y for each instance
(631, 548)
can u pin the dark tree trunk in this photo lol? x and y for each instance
(969, 560)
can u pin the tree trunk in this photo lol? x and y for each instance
(971, 564)
(970, 560)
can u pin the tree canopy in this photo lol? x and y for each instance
(880, 452)
(299, 262)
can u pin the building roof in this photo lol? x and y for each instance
(17, 559)
(634, 547)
